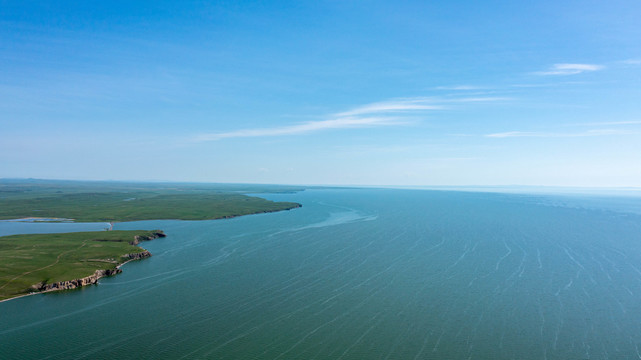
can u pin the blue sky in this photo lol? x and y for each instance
(323, 92)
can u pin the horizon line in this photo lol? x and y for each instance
(415, 186)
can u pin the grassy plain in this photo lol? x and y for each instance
(26, 260)
(112, 201)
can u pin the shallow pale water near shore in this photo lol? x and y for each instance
(361, 274)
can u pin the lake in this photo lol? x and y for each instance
(359, 274)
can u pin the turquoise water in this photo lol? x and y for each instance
(362, 274)
(11, 227)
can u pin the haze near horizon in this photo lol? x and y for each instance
(369, 93)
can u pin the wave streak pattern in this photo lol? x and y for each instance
(359, 274)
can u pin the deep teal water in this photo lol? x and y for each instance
(361, 274)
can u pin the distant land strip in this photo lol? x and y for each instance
(122, 207)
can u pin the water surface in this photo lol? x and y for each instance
(361, 274)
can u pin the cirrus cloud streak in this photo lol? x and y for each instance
(386, 113)
(396, 112)
(570, 69)
(307, 127)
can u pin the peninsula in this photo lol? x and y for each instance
(34, 263)
(95, 202)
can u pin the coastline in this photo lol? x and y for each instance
(98, 274)
(87, 280)
(297, 206)
(111, 223)
(91, 279)
(40, 219)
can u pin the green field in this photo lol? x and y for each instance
(26, 260)
(96, 207)
(117, 202)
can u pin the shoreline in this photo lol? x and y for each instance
(93, 279)
(98, 274)
(80, 282)
(35, 219)
(114, 222)
(98, 277)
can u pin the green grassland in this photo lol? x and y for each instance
(96, 207)
(117, 202)
(26, 260)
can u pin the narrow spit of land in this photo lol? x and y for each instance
(44, 262)
(141, 205)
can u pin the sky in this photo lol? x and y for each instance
(422, 93)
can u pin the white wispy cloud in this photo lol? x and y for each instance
(302, 128)
(393, 106)
(597, 132)
(631, 62)
(395, 112)
(570, 69)
(386, 113)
